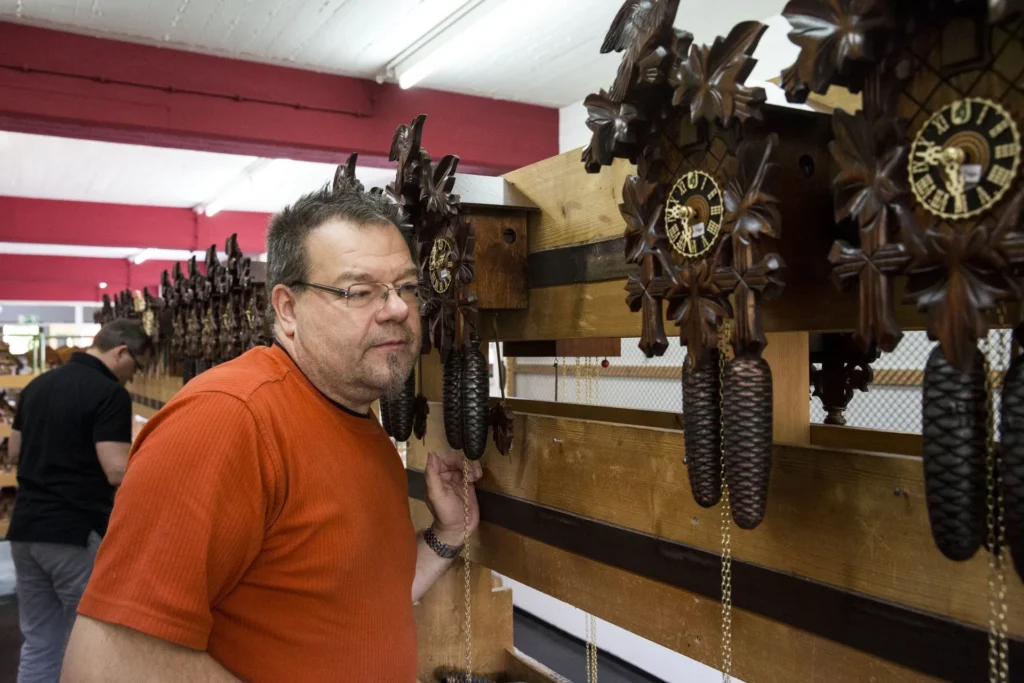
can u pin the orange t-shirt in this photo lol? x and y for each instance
(265, 524)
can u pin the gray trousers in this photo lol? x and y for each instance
(51, 580)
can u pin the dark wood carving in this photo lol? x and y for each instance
(701, 221)
(844, 369)
(929, 172)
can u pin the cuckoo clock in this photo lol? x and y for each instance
(702, 229)
(929, 169)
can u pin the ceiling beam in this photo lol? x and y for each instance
(56, 83)
(67, 278)
(49, 221)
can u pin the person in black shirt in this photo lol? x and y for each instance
(71, 436)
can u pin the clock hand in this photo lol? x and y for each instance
(952, 160)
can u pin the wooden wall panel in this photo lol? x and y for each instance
(787, 355)
(575, 206)
(764, 651)
(850, 519)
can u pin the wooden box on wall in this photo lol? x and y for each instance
(499, 214)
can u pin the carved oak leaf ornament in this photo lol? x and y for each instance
(645, 233)
(832, 35)
(966, 276)
(611, 124)
(871, 186)
(710, 80)
(436, 185)
(750, 211)
(697, 306)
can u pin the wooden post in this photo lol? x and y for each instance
(788, 355)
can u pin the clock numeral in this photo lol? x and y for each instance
(983, 196)
(691, 180)
(939, 200)
(713, 227)
(716, 210)
(925, 185)
(961, 113)
(982, 115)
(703, 180)
(941, 124)
(920, 167)
(997, 129)
(960, 203)
(1000, 175)
(1006, 150)
(713, 193)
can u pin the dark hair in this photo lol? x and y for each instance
(124, 332)
(286, 236)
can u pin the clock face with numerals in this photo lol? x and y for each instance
(441, 264)
(964, 158)
(693, 214)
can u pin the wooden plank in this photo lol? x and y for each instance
(598, 347)
(855, 438)
(575, 206)
(787, 355)
(15, 381)
(764, 651)
(598, 309)
(523, 669)
(851, 519)
(500, 252)
(578, 411)
(592, 262)
(9, 479)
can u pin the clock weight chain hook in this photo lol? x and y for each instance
(724, 334)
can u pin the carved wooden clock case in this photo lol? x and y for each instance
(704, 226)
(929, 170)
(472, 257)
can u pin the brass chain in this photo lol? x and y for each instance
(578, 379)
(998, 661)
(724, 334)
(590, 379)
(465, 558)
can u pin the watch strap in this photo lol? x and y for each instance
(448, 552)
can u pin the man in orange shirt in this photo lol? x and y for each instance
(262, 532)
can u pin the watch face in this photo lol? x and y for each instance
(964, 158)
(441, 264)
(693, 214)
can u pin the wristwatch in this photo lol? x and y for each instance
(448, 552)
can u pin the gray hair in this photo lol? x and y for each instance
(124, 332)
(287, 263)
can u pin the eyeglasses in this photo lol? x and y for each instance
(138, 366)
(360, 295)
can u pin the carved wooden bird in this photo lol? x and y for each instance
(635, 24)
(405, 143)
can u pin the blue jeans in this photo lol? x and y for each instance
(51, 580)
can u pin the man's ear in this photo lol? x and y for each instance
(283, 301)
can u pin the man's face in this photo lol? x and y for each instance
(124, 365)
(361, 351)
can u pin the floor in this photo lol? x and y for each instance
(557, 650)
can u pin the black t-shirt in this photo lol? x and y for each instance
(63, 493)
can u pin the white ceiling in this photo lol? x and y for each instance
(44, 167)
(540, 51)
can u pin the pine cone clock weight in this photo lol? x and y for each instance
(451, 399)
(702, 415)
(475, 404)
(385, 416)
(954, 448)
(748, 437)
(402, 410)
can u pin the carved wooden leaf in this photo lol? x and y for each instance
(643, 222)
(502, 427)
(436, 186)
(612, 131)
(752, 212)
(697, 306)
(832, 35)
(871, 186)
(710, 80)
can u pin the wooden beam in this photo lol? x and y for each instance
(851, 519)
(764, 651)
(857, 439)
(787, 355)
(575, 206)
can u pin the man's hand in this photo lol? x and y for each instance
(444, 496)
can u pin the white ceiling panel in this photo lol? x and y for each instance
(44, 167)
(539, 51)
